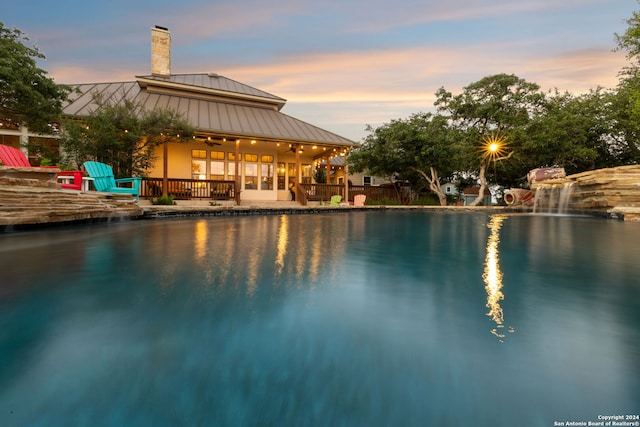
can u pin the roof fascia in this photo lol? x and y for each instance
(250, 137)
(152, 83)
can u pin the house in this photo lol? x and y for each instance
(469, 194)
(449, 189)
(244, 144)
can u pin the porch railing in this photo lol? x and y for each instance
(189, 188)
(185, 189)
(323, 192)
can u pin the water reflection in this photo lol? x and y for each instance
(281, 248)
(245, 253)
(200, 239)
(492, 276)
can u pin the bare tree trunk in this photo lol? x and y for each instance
(434, 184)
(483, 178)
(483, 184)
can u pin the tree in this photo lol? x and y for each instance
(490, 112)
(630, 39)
(27, 96)
(414, 149)
(572, 132)
(123, 135)
(623, 114)
(320, 176)
(625, 110)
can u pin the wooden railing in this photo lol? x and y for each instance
(320, 192)
(189, 188)
(184, 189)
(323, 192)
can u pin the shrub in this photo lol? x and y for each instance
(426, 200)
(163, 200)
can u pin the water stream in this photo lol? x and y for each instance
(553, 199)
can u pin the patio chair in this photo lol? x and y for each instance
(74, 176)
(104, 181)
(335, 200)
(359, 199)
(11, 156)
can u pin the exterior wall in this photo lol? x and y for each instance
(449, 188)
(469, 198)
(15, 137)
(358, 179)
(21, 137)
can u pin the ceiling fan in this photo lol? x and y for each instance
(210, 141)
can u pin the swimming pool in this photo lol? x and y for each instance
(355, 319)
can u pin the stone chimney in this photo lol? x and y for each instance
(160, 51)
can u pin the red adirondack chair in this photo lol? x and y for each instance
(11, 156)
(74, 176)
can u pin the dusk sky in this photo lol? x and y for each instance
(341, 64)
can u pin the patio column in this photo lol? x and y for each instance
(298, 167)
(237, 177)
(329, 169)
(346, 178)
(165, 169)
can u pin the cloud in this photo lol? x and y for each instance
(413, 75)
(68, 74)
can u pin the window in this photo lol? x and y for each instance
(217, 170)
(250, 176)
(232, 156)
(266, 176)
(291, 173)
(216, 166)
(199, 154)
(366, 180)
(306, 173)
(281, 176)
(198, 166)
(251, 157)
(198, 169)
(266, 159)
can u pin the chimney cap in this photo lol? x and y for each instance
(162, 28)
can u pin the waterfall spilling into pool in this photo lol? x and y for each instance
(611, 192)
(553, 199)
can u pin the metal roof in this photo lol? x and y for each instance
(211, 103)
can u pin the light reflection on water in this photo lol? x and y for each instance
(355, 319)
(493, 276)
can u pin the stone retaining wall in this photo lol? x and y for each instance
(24, 203)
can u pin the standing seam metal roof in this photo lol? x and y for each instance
(233, 109)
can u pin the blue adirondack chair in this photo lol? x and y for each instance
(103, 179)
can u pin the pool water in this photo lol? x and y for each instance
(341, 319)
